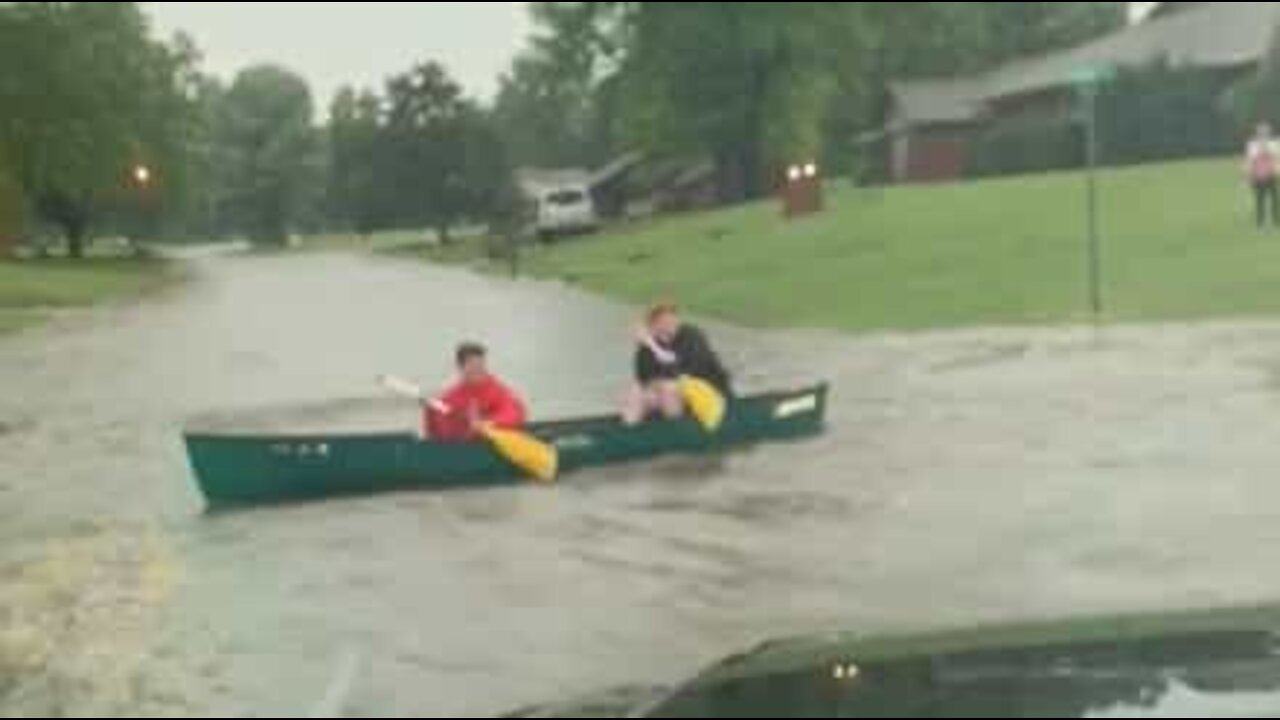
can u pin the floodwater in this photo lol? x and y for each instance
(968, 477)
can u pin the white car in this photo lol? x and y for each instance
(566, 211)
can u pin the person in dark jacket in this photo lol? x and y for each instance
(668, 349)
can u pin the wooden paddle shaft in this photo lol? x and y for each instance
(411, 391)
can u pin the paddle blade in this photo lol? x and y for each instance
(540, 460)
(706, 403)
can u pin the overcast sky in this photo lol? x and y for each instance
(353, 42)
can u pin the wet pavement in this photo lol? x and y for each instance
(968, 477)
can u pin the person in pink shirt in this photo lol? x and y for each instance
(1262, 168)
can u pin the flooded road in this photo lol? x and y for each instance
(968, 477)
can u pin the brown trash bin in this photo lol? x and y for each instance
(802, 191)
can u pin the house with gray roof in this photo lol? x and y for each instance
(933, 121)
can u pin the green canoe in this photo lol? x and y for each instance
(242, 470)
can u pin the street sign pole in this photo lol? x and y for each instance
(1096, 299)
(1089, 81)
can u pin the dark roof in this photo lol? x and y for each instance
(1208, 35)
(694, 174)
(617, 168)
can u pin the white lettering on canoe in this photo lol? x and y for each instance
(301, 450)
(575, 442)
(796, 406)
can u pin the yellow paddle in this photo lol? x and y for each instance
(526, 452)
(706, 403)
(539, 459)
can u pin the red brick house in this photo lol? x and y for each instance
(933, 123)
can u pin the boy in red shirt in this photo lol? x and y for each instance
(478, 399)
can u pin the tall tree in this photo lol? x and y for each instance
(440, 156)
(267, 145)
(95, 97)
(12, 210)
(748, 84)
(557, 105)
(420, 155)
(1258, 98)
(488, 175)
(424, 111)
(206, 176)
(175, 198)
(355, 134)
(545, 120)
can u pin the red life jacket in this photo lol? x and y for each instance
(449, 419)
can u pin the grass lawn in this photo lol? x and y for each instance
(29, 287)
(13, 320)
(1178, 244)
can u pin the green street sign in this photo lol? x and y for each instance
(1094, 75)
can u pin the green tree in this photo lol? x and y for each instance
(424, 160)
(545, 120)
(489, 181)
(266, 146)
(749, 85)
(439, 157)
(179, 135)
(558, 104)
(94, 97)
(1257, 99)
(202, 215)
(12, 210)
(355, 135)
(165, 197)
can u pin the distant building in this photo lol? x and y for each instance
(933, 122)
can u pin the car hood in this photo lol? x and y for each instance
(619, 703)
(1209, 665)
